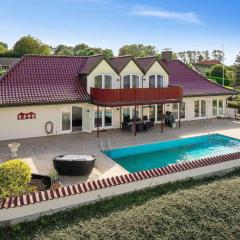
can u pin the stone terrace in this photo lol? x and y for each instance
(39, 152)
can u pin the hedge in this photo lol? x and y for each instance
(234, 104)
(227, 82)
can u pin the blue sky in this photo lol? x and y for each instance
(176, 24)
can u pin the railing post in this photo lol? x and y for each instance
(135, 126)
(179, 117)
(162, 120)
(97, 121)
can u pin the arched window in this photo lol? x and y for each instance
(127, 81)
(103, 81)
(131, 81)
(156, 81)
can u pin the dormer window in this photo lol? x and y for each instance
(156, 81)
(131, 81)
(103, 81)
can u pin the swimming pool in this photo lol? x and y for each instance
(160, 154)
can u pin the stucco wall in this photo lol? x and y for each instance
(12, 128)
(156, 68)
(102, 68)
(132, 68)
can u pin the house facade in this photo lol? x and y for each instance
(7, 62)
(49, 95)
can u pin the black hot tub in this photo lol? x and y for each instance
(74, 165)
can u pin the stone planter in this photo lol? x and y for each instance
(14, 148)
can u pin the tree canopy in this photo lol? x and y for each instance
(237, 71)
(3, 47)
(217, 71)
(191, 56)
(30, 45)
(138, 50)
(81, 49)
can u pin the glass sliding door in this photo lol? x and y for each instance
(126, 114)
(197, 109)
(98, 118)
(76, 118)
(66, 121)
(108, 117)
(159, 112)
(182, 110)
(220, 107)
(152, 113)
(203, 108)
(214, 107)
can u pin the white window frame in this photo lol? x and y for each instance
(218, 108)
(200, 106)
(66, 110)
(103, 118)
(131, 78)
(155, 84)
(103, 80)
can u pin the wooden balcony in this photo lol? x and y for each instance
(135, 96)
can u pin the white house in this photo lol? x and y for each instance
(46, 95)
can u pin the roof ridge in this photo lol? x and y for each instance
(53, 56)
(154, 56)
(128, 55)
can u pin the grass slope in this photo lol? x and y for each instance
(191, 209)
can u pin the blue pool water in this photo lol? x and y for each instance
(159, 154)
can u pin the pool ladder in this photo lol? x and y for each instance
(104, 145)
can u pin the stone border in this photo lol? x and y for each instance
(41, 196)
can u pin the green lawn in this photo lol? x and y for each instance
(191, 209)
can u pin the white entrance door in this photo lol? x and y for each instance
(86, 120)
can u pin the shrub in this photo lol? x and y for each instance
(234, 104)
(15, 176)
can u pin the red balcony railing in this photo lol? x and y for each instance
(135, 96)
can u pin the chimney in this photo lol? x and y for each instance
(167, 54)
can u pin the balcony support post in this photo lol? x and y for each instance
(135, 125)
(179, 117)
(97, 121)
(162, 119)
(120, 117)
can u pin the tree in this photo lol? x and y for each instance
(138, 50)
(237, 71)
(217, 55)
(3, 47)
(217, 71)
(30, 45)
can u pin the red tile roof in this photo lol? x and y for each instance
(119, 63)
(208, 62)
(55, 79)
(146, 62)
(42, 80)
(192, 82)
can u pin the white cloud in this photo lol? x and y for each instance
(164, 14)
